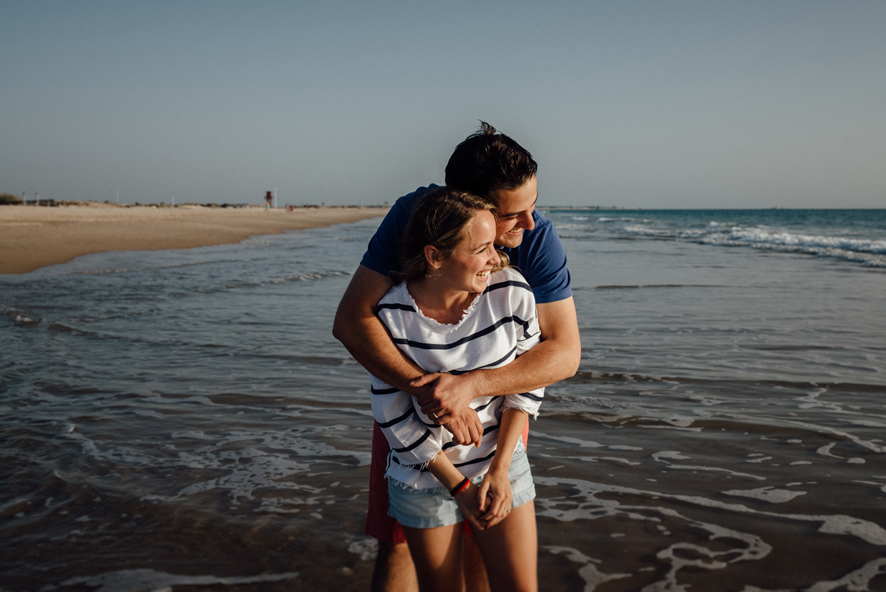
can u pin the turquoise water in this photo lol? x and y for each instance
(184, 419)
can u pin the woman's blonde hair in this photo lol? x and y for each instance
(440, 219)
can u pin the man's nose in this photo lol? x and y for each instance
(526, 221)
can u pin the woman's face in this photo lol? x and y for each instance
(468, 268)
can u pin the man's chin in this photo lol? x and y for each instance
(510, 241)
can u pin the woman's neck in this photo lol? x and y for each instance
(444, 305)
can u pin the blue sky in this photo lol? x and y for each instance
(630, 104)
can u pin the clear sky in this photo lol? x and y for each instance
(631, 104)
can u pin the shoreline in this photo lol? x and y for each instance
(35, 237)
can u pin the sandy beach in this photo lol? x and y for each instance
(33, 237)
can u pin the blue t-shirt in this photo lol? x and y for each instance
(540, 257)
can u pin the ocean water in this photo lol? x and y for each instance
(184, 420)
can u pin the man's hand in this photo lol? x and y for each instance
(447, 396)
(457, 416)
(465, 428)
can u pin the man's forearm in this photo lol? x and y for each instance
(555, 358)
(543, 365)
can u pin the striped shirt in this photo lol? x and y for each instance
(501, 324)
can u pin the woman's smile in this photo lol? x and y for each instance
(472, 261)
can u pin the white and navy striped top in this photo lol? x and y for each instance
(500, 324)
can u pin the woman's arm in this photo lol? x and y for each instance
(496, 484)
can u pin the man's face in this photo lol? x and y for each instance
(515, 207)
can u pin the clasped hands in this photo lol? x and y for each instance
(446, 400)
(487, 504)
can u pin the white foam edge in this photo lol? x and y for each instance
(157, 581)
(839, 524)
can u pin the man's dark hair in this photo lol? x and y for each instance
(487, 160)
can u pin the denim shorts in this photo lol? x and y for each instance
(430, 508)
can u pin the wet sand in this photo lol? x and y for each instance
(33, 237)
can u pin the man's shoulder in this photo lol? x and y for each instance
(382, 253)
(542, 224)
(408, 200)
(542, 260)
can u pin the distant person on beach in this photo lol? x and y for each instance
(491, 165)
(454, 287)
(268, 198)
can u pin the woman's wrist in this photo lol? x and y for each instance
(462, 485)
(499, 468)
(445, 472)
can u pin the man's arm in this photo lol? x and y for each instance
(555, 358)
(366, 339)
(364, 335)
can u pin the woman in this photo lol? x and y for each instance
(459, 308)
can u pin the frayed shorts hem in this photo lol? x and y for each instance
(432, 508)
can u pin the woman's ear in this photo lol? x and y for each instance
(433, 256)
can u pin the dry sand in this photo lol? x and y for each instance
(32, 237)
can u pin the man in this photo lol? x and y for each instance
(492, 165)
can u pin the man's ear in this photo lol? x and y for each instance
(433, 256)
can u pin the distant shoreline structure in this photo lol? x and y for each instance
(594, 208)
(52, 203)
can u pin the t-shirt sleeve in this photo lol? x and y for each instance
(400, 421)
(383, 252)
(543, 263)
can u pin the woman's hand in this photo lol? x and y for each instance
(469, 506)
(466, 428)
(494, 497)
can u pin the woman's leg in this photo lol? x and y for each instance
(475, 570)
(437, 554)
(510, 551)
